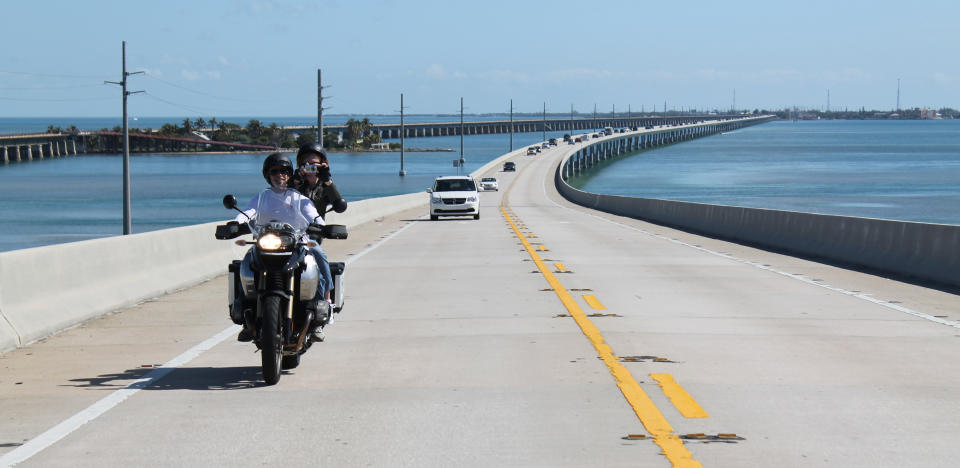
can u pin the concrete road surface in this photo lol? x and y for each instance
(543, 334)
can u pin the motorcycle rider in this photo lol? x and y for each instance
(313, 180)
(284, 202)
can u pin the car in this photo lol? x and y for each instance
(509, 166)
(570, 142)
(489, 183)
(553, 141)
(531, 151)
(578, 140)
(454, 196)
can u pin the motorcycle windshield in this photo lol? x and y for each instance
(275, 207)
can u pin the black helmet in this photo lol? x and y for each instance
(274, 160)
(308, 149)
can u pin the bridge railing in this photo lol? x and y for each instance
(47, 289)
(924, 251)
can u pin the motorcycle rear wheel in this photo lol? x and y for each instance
(270, 344)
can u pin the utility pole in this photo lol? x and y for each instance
(571, 118)
(462, 159)
(594, 116)
(511, 125)
(127, 223)
(898, 94)
(544, 120)
(828, 99)
(320, 108)
(403, 173)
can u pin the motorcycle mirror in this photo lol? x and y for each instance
(230, 202)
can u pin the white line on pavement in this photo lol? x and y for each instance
(58, 432)
(797, 277)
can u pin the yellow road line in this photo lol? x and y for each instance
(642, 405)
(682, 400)
(593, 302)
(560, 268)
(541, 248)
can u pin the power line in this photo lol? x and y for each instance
(194, 110)
(45, 88)
(202, 93)
(48, 75)
(54, 100)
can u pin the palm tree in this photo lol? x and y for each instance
(213, 123)
(200, 123)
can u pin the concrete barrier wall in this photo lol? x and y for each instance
(47, 289)
(929, 252)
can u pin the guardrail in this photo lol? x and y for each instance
(925, 251)
(47, 289)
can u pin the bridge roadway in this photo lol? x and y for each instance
(453, 351)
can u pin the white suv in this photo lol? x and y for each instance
(454, 196)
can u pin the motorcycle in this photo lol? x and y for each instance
(271, 291)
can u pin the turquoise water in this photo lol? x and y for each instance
(81, 197)
(905, 170)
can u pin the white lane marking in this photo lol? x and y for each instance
(58, 432)
(54, 434)
(858, 295)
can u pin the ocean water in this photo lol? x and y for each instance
(21, 125)
(52, 201)
(904, 170)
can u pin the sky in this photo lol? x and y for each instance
(259, 58)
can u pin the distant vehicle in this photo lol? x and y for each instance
(596, 135)
(566, 137)
(608, 131)
(649, 127)
(570, 142)
(454, 196)
(531, 151)
(553, 141)
(578, 140)
(509, 166)
(489, 183)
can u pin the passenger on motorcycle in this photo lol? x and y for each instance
(284, 203)
(313, 180)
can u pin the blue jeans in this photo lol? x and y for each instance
(325, 282)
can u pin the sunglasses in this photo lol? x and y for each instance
(280, 170)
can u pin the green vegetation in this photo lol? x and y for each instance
(863, 114)
(358, 135)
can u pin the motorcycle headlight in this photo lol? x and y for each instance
(270, 242)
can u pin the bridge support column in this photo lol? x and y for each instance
(6, 158)
(29, 153)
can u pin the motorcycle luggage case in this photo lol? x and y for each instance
(336, 271)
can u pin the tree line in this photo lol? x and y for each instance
(358, 134)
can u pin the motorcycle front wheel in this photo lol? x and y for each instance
(270, 342)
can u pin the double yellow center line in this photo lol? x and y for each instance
(642, 405)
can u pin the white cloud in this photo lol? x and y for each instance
(189, 75)
(943, 78)
(436, 72)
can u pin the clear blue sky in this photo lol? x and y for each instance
(259, 57)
